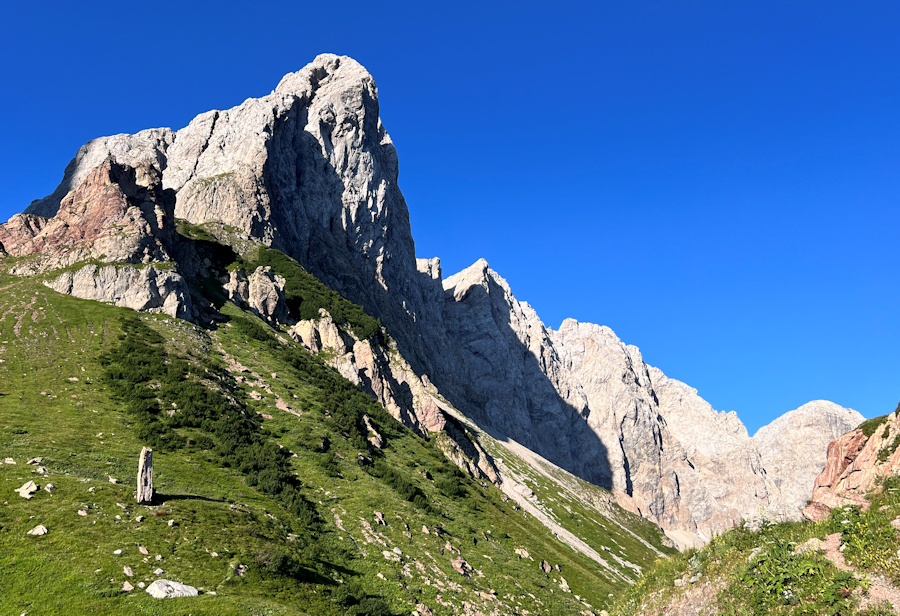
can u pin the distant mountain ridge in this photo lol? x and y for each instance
(310, 170)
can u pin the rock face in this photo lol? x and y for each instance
(262, 292)
(855, 462)
(148, 288)
(791, 448)
(145, 477)
(380, 371)
(117, 215)
(310, 170)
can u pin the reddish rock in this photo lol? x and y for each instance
(853, 468)
(118, 212)
(841, 454)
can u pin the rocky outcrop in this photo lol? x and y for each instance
(147, 288)
(378, 370)
(116, 214)
(144, 149)
(855, 463)
(792, 448)
(121, 221)
(265, 295)
(237, 287)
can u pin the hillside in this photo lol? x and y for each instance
(76, 376)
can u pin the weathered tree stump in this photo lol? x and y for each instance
(145, 477)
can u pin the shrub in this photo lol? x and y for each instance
(146, 378)
(869, 426)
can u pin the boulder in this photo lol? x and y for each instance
(166, 589)
(27, 490)
(266, 295)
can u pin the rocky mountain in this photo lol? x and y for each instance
(277, 486)
(856, 462)
(310, 170)
(791, 448)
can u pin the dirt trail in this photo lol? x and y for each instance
(880, 588)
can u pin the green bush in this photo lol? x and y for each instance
(781, 581)
(147, 379)
(869, 426)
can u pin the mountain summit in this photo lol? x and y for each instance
(310, 171)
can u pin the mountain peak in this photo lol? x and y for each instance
(325, 68)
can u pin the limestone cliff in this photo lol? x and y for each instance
(310, 169)
(118, 216)
(791, 448)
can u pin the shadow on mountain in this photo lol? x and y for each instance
(203, 259)
(521, 403)
(312, 225)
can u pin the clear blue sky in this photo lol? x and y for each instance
(716, 181)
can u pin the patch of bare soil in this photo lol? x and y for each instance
(880, 588)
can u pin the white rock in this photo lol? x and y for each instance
(793, 449)
(165, 589)
(38, 530)
(266, 295)
(27, 490)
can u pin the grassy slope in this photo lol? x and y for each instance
(85, 437)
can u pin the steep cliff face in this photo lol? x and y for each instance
(586, 401)
(854, 464)
(309, 169)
